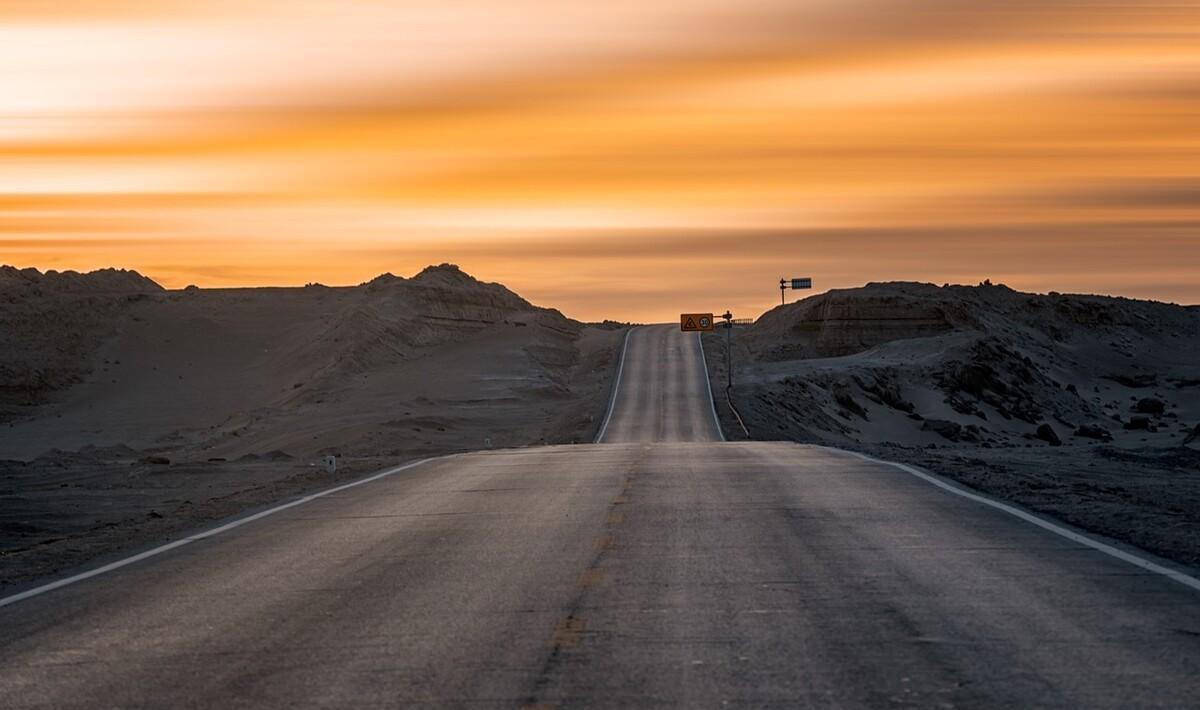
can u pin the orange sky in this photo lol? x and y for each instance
(621, 159)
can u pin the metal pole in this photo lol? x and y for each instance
(729, 354)
(728, 350)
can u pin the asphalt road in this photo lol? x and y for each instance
(663, 390)
(643, 572)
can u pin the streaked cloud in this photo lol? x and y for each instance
(623, 144)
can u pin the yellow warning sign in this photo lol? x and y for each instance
(696, 322)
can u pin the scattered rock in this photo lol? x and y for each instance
(1140, 424)
(1093, 431)
(944, 428)
(841, 395)
(1134, 381)
(973, 432)
(884, 389)
(974, 378)
(1150, 405)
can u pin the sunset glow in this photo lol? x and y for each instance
(624, 160)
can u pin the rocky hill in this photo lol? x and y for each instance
(1084, 408)
(110, 358)
(918, 364)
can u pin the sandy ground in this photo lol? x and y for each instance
(1074, 406)
(164, 411)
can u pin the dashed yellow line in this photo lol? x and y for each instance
(568, 632)
(591, 577)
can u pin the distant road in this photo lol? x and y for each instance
(664, 394)
(659, 568)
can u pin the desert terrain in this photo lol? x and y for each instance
(1086, 408)
(129, 412)
(662, 564)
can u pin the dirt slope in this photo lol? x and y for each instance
(52, 323)
(919, 364)
(233, 372)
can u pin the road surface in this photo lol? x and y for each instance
(664, 394)
(648, 570)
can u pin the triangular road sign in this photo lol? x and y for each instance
(696, 322)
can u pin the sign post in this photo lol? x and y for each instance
(800, 283)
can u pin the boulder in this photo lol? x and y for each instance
(1046, 433)
(1139, 424)
(1150, 405)
(944, 428)
(1093, 431)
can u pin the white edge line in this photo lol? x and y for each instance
(1111, 551)
(612, 400)
(125, 562)
(708, 381)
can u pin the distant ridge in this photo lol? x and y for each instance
(98, 281)
(55, 324)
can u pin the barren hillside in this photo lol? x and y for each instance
(909, 363)
(1083, 407)
(225, 373)
(130, 411)
(51, 325)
